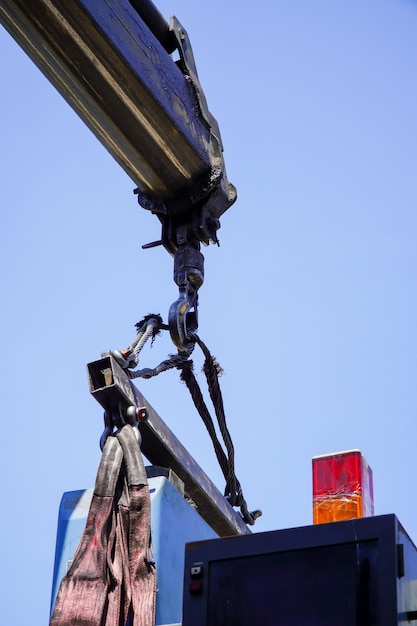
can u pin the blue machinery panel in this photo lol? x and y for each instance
(174, 523)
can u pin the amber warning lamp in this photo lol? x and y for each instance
(342, 487)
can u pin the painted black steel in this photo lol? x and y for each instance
(345, 573)
(156, 22)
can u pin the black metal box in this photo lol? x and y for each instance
(361, 572)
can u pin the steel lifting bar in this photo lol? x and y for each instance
(112, 388)
(110, 60)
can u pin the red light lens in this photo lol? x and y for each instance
(342, 487)
(195, 587)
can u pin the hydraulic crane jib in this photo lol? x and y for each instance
(112, 62)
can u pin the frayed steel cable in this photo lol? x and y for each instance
(188, 377)
(174, 361)
(151, 326)
(212, 371)
(232, 484)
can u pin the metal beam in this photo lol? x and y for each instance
(105, 61)
(112, 388)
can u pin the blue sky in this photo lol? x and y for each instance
(309, 304)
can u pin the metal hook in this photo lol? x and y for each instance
(182, 318)
(189, 276)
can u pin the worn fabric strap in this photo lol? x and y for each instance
(82, 596)
(111, 566)
(141, 568)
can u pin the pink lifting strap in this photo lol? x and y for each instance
(111, 576)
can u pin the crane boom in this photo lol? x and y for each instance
(111, 62)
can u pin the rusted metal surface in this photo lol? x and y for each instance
(105, 61)
(111, 387)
